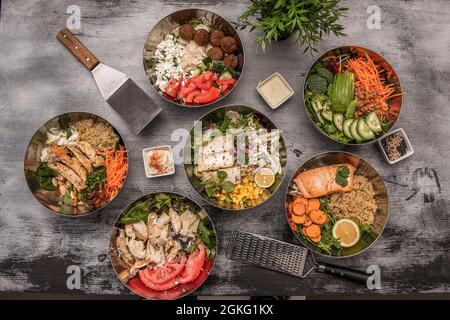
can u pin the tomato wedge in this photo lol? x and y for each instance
(173, 87)
(187, 88)
(190, 97)
(194, 265)
(166, 272)
(207, 96)
(225, 84)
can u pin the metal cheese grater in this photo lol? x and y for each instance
(282, 257)
(267, 253)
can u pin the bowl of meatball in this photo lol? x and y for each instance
(193, 58)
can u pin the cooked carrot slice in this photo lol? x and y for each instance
(289, 208)
(312, 231)
(316, 239)
(293, 225)
(313, 204)
(304, 231)
(298, 209)
(301, 200)
(307, 222)
(318, 216)
(298, 219)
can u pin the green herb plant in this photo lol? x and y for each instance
(309, 20)
(213, 186)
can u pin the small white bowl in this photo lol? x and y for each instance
(147, 166)
(408, 145)
(290, 94)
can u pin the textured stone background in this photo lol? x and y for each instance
(39, 79)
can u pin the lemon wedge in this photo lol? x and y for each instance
(264, 178)
(346, 232)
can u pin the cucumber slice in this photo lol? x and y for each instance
(225, 75)
(373, 122)
(346, 127)
(327, 115)
(364, 130)
(338, 119)
(320, 118)
(354, 130)
(197, 72)
(350, 109)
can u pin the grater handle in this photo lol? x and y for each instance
(345, 273)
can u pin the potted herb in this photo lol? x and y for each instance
(277, 20)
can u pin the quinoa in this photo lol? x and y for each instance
(358, 205)
(98, 134)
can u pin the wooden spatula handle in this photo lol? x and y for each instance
(77, 48)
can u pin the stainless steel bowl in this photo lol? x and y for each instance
(220, 112)
(139, 288)
(32, 161)
(362, 168)
(167, 25)
(395, 102)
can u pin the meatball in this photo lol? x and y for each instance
(187, 32)
(216, 37)
(215, 53)
(201, 37)
(231, 60)
(228, 44)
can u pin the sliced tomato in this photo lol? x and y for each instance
(190, 97)
(166, 272)
(187, 88)
(207, 96)
(225, 84)
(145, 277)
(209, 76)
(138, 287)
(173, 87)
(194, 265)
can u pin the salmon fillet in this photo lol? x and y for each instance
(321, 181)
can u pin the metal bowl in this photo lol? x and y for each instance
(189, 158)
(138, 287)
(381, 197)
(32, 161)
(395, 102)
(167, 25)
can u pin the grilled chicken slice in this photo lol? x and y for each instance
(91, 154)
(215, 161)
(321, 181)
(140, 229)
(137, 248)
(61, 153)
(80, 156)
(68, 174)
(175, 220)
(233, 174)
(122, 248)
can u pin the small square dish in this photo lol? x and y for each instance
(395, 146)
(158, 161)
(275, 90)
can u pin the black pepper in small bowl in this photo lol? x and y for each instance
(396, 146)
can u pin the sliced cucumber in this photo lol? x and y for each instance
(338, 119)
(225, 75)
(346, 127)
(320, 118)
(364, 130)
(373, 122)
(327, 115)
(354, 130)
(197, 72)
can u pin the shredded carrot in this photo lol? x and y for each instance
(116, 171)
(368, 77)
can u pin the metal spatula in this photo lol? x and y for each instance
(282, 257)
(121, 93)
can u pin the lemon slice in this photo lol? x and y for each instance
(264, 178)
(347, 232)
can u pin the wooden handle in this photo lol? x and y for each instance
(75, 46)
